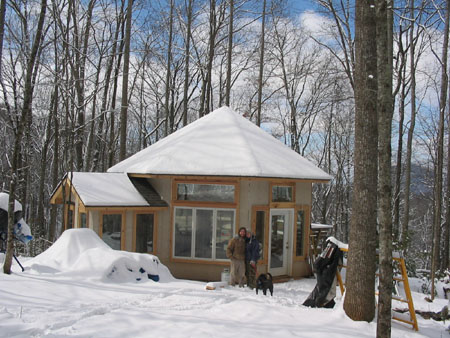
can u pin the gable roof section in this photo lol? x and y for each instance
(107, 189)
(222, 143)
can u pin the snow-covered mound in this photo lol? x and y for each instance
(81, 253)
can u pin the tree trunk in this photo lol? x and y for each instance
(101, 134)
(261, 65)
(359, 303)
(187, 59)
(2, 33)
(91, 137)
(401, 87)
(385, 109)
(26, 110)
(229, 54)
(438, 178)
(169, 117)
(112, 132)
(446, 235)
(126, 68)
(404, 239)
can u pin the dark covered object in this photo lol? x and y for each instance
(325, 267)
(4, 219)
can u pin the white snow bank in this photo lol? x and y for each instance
(81, 253)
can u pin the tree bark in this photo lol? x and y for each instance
(359, 303)
(385, 109)
(229, 54)
(261, 65)
(126, 68)
(438, 178)
(187, 56)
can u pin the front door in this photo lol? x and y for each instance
(280, 225)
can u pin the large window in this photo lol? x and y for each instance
(222, 193)
(112, 230)
(202, 233)
(144, 233)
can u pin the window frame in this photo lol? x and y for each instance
(69, 209)
(155, 229)
(306, 231)
(122, 226)
(80, 214)
(266, 210)
(213, 204)
(282, 205)
(192, 257)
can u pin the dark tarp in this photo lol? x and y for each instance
(325, 268)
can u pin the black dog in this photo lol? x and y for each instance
(264, 283)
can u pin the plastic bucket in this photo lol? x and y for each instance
(225, 276)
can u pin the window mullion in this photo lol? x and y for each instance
(194, 222)
(214, 225)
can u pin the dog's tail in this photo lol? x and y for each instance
(268, 274)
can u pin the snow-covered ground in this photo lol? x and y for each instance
(80, 287)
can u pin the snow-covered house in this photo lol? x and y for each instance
(184, 197)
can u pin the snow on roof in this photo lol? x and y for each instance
(222, 143)
(82, 252)
(106, 189)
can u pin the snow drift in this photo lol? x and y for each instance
(82, 253)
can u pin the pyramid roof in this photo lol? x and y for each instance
(222, 143)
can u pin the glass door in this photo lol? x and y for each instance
(280, 221)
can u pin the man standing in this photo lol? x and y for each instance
(251, 257)
(236, 253)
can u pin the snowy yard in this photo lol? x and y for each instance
(80, 287)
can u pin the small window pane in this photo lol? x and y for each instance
(260, 229)
(144, 233)
(281, 193)
(69, 219)
(205, 192)
(277, 241)
(203, 234)
(300, 230)
(83, 220)
(112, 230)
(183, 232)
(224, 232)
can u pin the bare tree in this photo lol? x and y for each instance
(26, 110)
(126, 67)
(261, 65)
(385, 110)
(229, 52)
(187, 60)
(438, 178)
(359, 303)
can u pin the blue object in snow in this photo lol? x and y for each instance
(153, 277)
